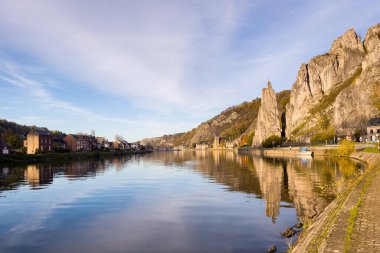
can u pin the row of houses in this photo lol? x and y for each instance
(219, 143)
(42, 141)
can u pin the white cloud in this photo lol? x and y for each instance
(141, 52)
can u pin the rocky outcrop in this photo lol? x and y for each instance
(321, 76)
(268, 120)
(357, 103)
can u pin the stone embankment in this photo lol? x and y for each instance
(289, 153)
(327, 150)
(351, 222)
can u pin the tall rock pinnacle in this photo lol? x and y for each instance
(268, 121)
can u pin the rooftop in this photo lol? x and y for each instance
(374, 122)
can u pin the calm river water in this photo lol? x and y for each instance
(163, 202)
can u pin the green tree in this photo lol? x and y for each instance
(15, 141)
(273, 140)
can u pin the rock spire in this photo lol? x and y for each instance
(268, 121)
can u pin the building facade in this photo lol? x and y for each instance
(373, 130)
(38, 141)
(219, 142)
(201, 146)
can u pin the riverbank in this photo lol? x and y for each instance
(328, 150)
(51, 157)
(341, 226)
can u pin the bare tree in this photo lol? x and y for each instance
(118, 137)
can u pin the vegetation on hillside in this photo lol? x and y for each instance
(13, 134)
(324, 131)
(273, 141)
(247, 114)
(283, 99)
(247, 138)
(183, 137)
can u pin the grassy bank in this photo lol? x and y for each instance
(51, 157)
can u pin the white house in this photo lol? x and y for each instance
(5, 150)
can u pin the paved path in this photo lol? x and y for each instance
(366, 234)
(328, 235)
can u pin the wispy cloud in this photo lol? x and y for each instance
(39, 93)
(36, 90)
(142, 52)
(167, 60)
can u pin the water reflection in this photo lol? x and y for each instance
(299, 182)
(208, 201)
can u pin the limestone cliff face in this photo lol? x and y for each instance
(268, 121)
(357, 103)
(321, 76)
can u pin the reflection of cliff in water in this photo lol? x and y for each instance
(299, 182)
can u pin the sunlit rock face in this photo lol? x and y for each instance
(321, 75)
(357, 103)
(268, 121)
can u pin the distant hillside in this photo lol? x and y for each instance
(233, 123)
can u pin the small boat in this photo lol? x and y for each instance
(305, 152)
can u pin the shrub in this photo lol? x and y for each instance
(273, 140)
(324, 135)
(346, 147)
(246, 139)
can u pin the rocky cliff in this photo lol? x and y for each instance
(268, 120)
(321, 76)
(359, 102)
(336, 92)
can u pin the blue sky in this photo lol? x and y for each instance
(148, 68)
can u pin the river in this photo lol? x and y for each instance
(195, 201)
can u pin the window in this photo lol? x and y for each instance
(378, 131)
(371, 131)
